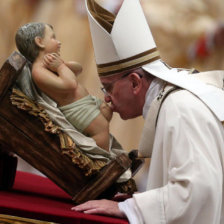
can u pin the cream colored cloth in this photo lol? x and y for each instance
(86, 144)
(82, 112)
(185, 182)
(185, 179)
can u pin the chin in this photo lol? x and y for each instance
(128, 116)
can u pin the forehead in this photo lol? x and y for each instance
(113, 77)
(48, 29)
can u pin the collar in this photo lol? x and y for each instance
(153, 91)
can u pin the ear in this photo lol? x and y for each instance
(136, 81)
(38, 41)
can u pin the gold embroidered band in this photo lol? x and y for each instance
(128, 63)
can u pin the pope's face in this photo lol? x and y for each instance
(120, 96)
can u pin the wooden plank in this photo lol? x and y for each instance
(8, 165)
(104, 179)
(53, 164)
(10, 71)
(30, 125)
(8, 74)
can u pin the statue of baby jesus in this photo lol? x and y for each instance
(57, 79)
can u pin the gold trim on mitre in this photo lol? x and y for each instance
(101, 15)
(128, 63)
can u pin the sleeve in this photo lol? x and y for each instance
(188, 148)
(129, 208)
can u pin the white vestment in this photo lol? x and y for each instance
(185, 181)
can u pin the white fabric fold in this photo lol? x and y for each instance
(207, 93)
(153, 91)
(129, 208)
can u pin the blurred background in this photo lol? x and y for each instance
(188, 33)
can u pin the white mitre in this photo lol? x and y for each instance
(112, 37)
(125, 42)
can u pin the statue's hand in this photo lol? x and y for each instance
(52, 62)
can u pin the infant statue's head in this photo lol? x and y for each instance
(25, 39)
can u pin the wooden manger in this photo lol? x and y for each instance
(24, 135)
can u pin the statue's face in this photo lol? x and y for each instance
(51, 44)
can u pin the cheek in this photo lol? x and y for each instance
(54, 43)
(122, 101)
(53, 46)
(120, 97)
